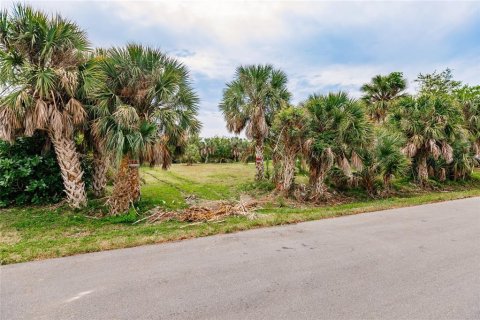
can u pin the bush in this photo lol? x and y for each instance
(28, 175)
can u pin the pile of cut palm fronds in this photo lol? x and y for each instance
(204, 212)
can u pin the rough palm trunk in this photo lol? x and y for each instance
(99, 178)
(276, 168)
(318, 187)
(134, 176)
(70, 168)
(288, 172)
(422, 170)
(119, 201)
(259, 166)
(387, 183)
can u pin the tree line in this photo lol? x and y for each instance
(133, 105)
(431, 134)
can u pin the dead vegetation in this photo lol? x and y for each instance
(205, 211)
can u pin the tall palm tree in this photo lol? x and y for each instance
(45, 75)
(381, 93)
(430, 124)
(250, 101)
(157, 89)
(338, 130)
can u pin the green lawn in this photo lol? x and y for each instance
(44, 232)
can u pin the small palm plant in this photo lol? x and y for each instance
(381, 93)
(45, 75)
(383, 158)
(250, 102)
(338, 130)
(430, 124)
(127, 136)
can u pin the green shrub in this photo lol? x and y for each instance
(28, 175)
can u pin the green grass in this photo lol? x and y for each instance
(34, 233)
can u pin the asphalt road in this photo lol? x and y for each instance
(412, 263)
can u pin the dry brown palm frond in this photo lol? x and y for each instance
(56, 120)
(10, 117)
(76, 110)
(67, 123)
(235, 124)
(410, 150)
(345, 166)
(68, 80)
(28, 123)
(433, 148)
(356, 161)
(126, 116)
(328, 159)
(41, 114)
(447, 152)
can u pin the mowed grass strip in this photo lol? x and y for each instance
(35, 233)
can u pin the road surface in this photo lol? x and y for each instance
(412, 263)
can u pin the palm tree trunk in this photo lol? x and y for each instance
(422, 170)
(259, 166)
(99, 178)
(387, 183)
(70, 167)
(134, 175)
(119, 201)
(276, 168)
(288, 172)
(318, 187)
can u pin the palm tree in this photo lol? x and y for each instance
(158, 90)
(430, 124)
(290, 129)
(338, 130)
(44, 75)
(391, 161)
(127, 136)
(469, 100)
(250, 101)
(385, 158)
(381, 93)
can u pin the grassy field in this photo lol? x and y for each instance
(34, 233)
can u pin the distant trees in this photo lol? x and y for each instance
(251, 101)
(217, 150)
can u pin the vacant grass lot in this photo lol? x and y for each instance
(44, 232)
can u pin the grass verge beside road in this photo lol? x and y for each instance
(35, 233)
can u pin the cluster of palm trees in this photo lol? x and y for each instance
(132, 105)
(434, 134)
(127, 105)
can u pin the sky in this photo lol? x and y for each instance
(322, 46)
